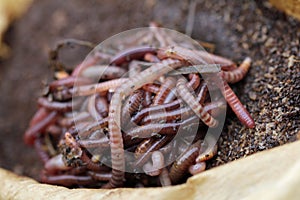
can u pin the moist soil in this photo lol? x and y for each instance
(236, 28)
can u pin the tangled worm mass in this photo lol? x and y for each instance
(134, 117)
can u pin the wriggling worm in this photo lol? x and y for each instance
(155, 168)
(182, 163)
(32, 132)
(116, 140)
(239, 73)
(67, 180)
(237, 106)
(197, 108)
(164, 90)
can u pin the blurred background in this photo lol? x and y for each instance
(235, 28)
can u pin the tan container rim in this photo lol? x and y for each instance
(272, 174)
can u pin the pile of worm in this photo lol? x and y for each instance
(114, 120)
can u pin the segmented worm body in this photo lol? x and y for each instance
(183, 162)
(185, 94)
(131, 108)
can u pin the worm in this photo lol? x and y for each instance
(155, 145)
(156, 128)
(132, 104)
(93, 166)
(68, 82)
(197, 108)
(202, 93)
(157, 164)
(147, 99)
(92, 108)
(164, 178)
(54, 105)
(143, 146)
(153, 109)
(115, 135)
(131, 54)
(38, 116)
(164, 90)
(103, 72)
(182, 163)
(134, 69)
(197, 168)
(100, 176)
(209, 58)
(208, 154)
(194, 81)
(54, 130)
(169, 116)
(98, 143)
(97, 88)
(237, 106)
(153, 88)
(41, 151)
(101, 105)
(89, 61)
(93, 127)
(239, 73)
(55, 164)
(151, 58)
(32, 132)
(69, 121)
(67, 180)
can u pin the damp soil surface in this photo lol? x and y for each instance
(236, 28)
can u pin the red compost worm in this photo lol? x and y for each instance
(54, 105)
(151, 58)
(100, 176)
(55, 164)
(97, 88)
(157, 128)
(147, 99)
(157, 164)
(89, 61)
(54, 130)
(67, 180)
(182, 163)
(237, 107)
(92, 108)
(208, 154)
(197, 108)
(103, 72)
(132, 104)
(134, 69)
(115, 135)
(169, 116)
(69, 121)
(132, 54)
(89, 164)
(32, 132)
(152, 87)
(39, 116)
(101, 105)
(39, 147)
(155, 145)
(164, 91)
(164, 178)
(239, 73)
(93, 127)
(153, 109)
(69, 82)
(143, 146)
(96, 143)
(197, 168)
